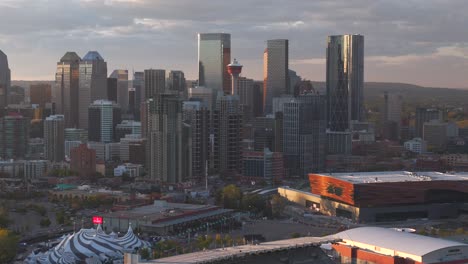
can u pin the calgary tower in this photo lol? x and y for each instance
(234, 69)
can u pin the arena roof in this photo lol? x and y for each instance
(397, 176)
(219, 254)
(398, 242)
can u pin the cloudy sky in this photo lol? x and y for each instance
(415, 41)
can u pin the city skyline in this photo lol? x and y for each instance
(398, 41)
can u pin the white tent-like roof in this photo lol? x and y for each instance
(391, 242)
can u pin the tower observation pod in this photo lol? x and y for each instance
(234, 68)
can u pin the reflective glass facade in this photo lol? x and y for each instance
(275, 72)
(4, 80)
(92, 84)
(345, 80)
(214, 54)
(66, 80)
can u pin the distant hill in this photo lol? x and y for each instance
(412, 94)
(373, 92)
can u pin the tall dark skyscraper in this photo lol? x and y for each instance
(5, 82)
(197, 116)
(227, 127)
(104, 116)
(155, 83)
(345, 80)
(165, 145)
(139, 85)
(14, 136)
(67, 85)
(92, 83)
(175, 82)
(54, 138)
(345, 84)
(275, 71)
(214, 54)
(424, 115)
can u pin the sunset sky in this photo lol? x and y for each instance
(422, 42)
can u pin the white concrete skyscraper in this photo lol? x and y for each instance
(92, 84)
(275, 72)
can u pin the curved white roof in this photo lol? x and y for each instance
(387, 238)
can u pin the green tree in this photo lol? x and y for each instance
(231, 197)
(145, 253)
(253, 203)
(8, 246)
(278, 204)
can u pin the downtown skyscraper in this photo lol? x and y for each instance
(54, 138)
(214, 54)
(122, 88)
(345, 85)
(275, 72)
(5, 81)
(67, 85)
(92, 84)
(155, 83)
(165, 156)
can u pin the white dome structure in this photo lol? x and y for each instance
(89, 245)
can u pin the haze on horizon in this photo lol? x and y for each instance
(421, 42)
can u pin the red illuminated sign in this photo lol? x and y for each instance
(97, 220)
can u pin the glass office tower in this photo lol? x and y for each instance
(214, 54)
(345, 80)
(275, 72)
(66, 81)
(92, 84)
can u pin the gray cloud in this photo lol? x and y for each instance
(415, 35)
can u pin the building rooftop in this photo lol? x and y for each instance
(400, 243)
(161, 211)
(228, 253)
(397, 176)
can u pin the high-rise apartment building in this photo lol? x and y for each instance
(304, 134)
(122, 88)
(92, 84)
(5, 81)
(227, 128)
(14, 136)
(155, 83)
(165, 158)
(197, 115)
(275, 72)
(245, 90)
(214, 54)
(54, 138)
(67, 88)
(40, 94)
(104, 116)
